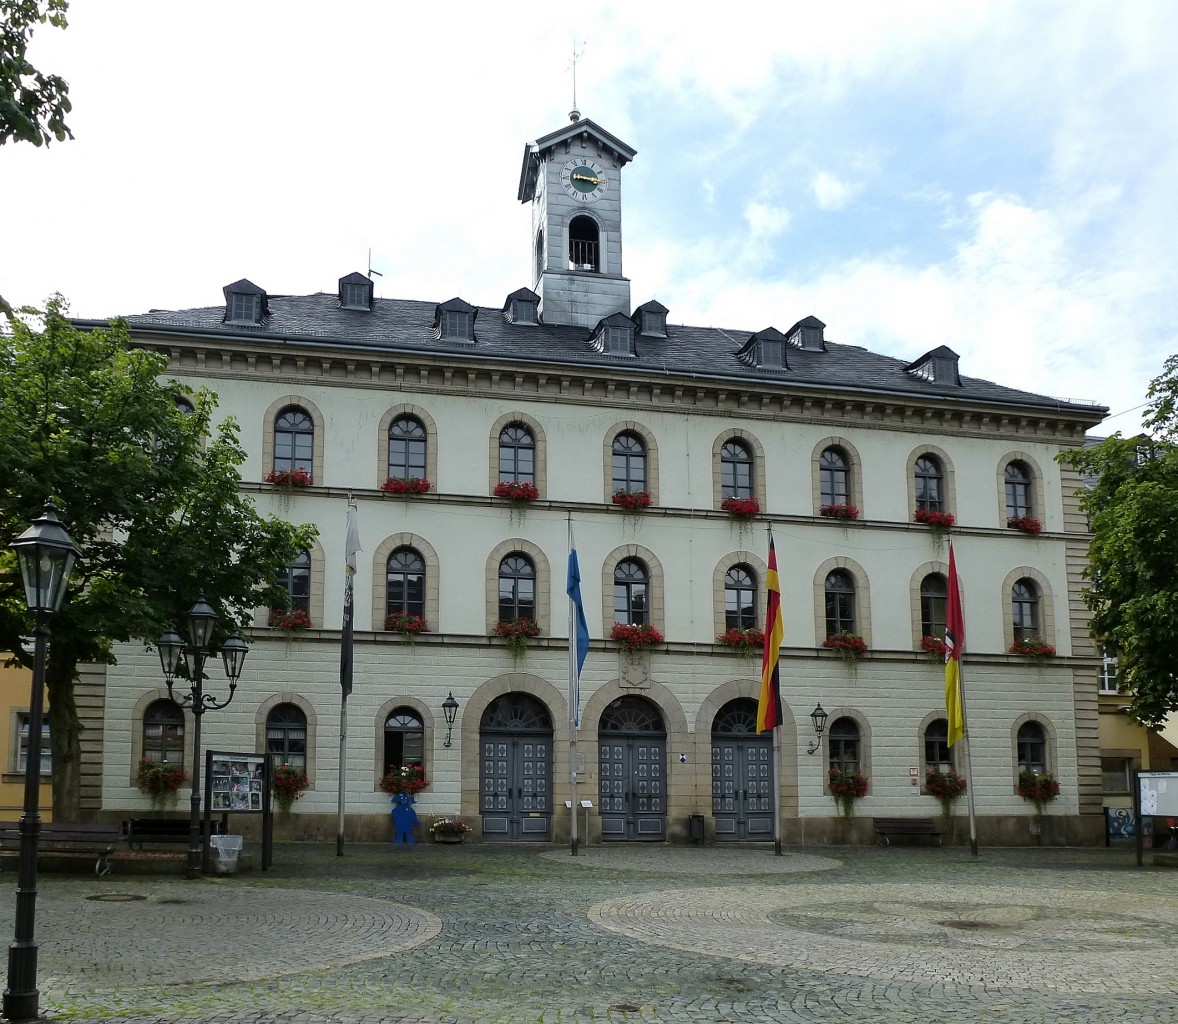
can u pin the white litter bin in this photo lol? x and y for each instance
(228, 849)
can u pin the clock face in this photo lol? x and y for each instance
(584, 180)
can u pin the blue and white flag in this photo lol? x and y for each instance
(578, 629)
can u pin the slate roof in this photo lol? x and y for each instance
(406, 325)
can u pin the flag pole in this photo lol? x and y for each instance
(769, 711)
(776, 749)
(574, 715)
(958, 720)
(351, 546)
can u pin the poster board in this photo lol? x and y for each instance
(238, 782)
(1155, 796)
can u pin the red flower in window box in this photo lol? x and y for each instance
(287, 785)
(517, 632)
(284, 618)
(846, 787)
(938, 520)
(741, 508)
(1033, 647)
(405, 485)
(406, 778)
(634, 638)
(1038, 787)
(403, 622)
(850, 646)
(289, 478)
(748, 643)
(844, 512)
(631, 501)
(1027, 524)
(516, 490)
(934, 646)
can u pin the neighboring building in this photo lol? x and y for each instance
(569, 390)
(15, 686)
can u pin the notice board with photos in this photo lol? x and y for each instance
(1156, 796)
(238, 782)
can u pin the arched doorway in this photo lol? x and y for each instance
(515, 776)
(742, 774)
(632, 745)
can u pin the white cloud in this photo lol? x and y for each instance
(829, 192)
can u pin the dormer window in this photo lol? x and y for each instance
(454, 321)
(808, 335)
(245, 303)
(938, 366)
(355, 292)
(617, 341)
(765, 350)
(615, 336)
(652, 319)
(521, 307)
(455, 324)
(772, 354)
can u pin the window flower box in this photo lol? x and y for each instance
(1040, 788)
(934, 647)
(406, 485)
(1025, 524)
(288, 478)
(748, 643)
(741, 508)
(846, 512)
(631, 501)
(635, 638)
(937, 520)
(946, 787)
(293, 621)
(846, 787)
(849, 646)
(449, 830)
(407, 778)
(403, 622)
(1033, 647)
(517, 632)
(160, 780)
(288, 784)
(517, 491)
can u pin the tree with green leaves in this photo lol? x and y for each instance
(1132, 507)
(148, 492)
(32, 105)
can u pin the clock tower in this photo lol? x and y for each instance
(573, 180)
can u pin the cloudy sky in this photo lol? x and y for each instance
(998, 177)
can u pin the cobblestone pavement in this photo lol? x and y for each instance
(465, 934)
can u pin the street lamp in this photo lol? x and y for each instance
(450, 710)
(46, 556)
(201, 621)
(818, 717)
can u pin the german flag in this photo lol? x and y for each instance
(769, 705)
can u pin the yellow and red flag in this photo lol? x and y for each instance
(955, 645)
(769, 705)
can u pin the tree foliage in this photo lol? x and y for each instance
(147, 492)
(32, 105)
(1132, 506)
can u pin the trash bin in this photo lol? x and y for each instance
(228, 849)
(695, 828)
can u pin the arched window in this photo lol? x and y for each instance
(938, 755)
(929, 481)
(584, 248)
(740, 598)
(296, 581)
(834, 477)
(517, 588)
(294, 440)
(630, 592)
(405, 583)
(1024, 609)
(517, 455)
(934, 592)
(404, 739)
(1031, 745)
(407, 440)
(541, 254)
(163, 731)
(286, 735)
(629, 462)
(840, 602)
(844, 745)
(185, 406)
(1018, 490)
(736, 470)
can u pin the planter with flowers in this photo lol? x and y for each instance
(1025, 524)
(1033, 647)
(407, 779)
(1040, 788)
(409, 625)
(946, 787)
(292, 620)
(631, 501)
(748, 643)
(939, 523)
(633, 639)
(449, 830)
(741, 508)
(846, 512)
(288, 785)
(288, 478)
(517, 491)
(934, 647)
(160, 780)
(849, 646)
(846, 787)
(409, 486)
(517, 632)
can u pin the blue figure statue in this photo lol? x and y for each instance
(404, 818)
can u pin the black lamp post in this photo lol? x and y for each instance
(450, 710)
(201, 620)
(818, 717)
(46, 556)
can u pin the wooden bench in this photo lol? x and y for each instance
(166, 831)
(911, 828)
(75, 840)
